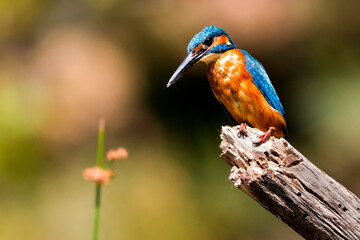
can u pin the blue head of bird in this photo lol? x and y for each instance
(204, 46)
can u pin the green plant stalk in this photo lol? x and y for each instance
(100, 163)
(101, 143)
(97, 212)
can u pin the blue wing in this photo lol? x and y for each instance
(262, 82)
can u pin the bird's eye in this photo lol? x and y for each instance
(208, 41)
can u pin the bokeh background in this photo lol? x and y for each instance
(64, 64)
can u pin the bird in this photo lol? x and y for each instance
(238, 81)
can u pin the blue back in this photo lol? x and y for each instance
(262, 82)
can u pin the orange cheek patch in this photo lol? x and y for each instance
(223, 39)
(198, 48)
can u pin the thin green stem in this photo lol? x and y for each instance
(100, 163)
(97, 212)
(101, 143)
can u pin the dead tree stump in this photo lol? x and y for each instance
(288, 185)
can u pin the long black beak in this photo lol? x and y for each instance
(188, 62)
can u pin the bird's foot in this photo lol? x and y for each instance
(242, 132)
(264, 137)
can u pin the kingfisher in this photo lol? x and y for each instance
(238, 81)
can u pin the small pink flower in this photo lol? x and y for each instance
(117, 154)
(98, 175)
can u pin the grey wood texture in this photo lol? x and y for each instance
(292, 188)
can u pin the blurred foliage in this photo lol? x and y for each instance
(64, 64)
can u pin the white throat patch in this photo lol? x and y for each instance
(211, 58)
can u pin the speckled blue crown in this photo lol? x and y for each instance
(210, 31)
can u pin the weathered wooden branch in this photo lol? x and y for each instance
(284, 182)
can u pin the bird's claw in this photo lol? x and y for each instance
(242, 133)
(264, 137)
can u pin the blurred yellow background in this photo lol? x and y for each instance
(64, 64)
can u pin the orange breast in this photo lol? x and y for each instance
(232, 86)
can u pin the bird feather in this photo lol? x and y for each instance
(262, 82)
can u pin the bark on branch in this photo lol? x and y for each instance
(288, 185)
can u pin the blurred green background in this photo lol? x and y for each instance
(65, 64)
